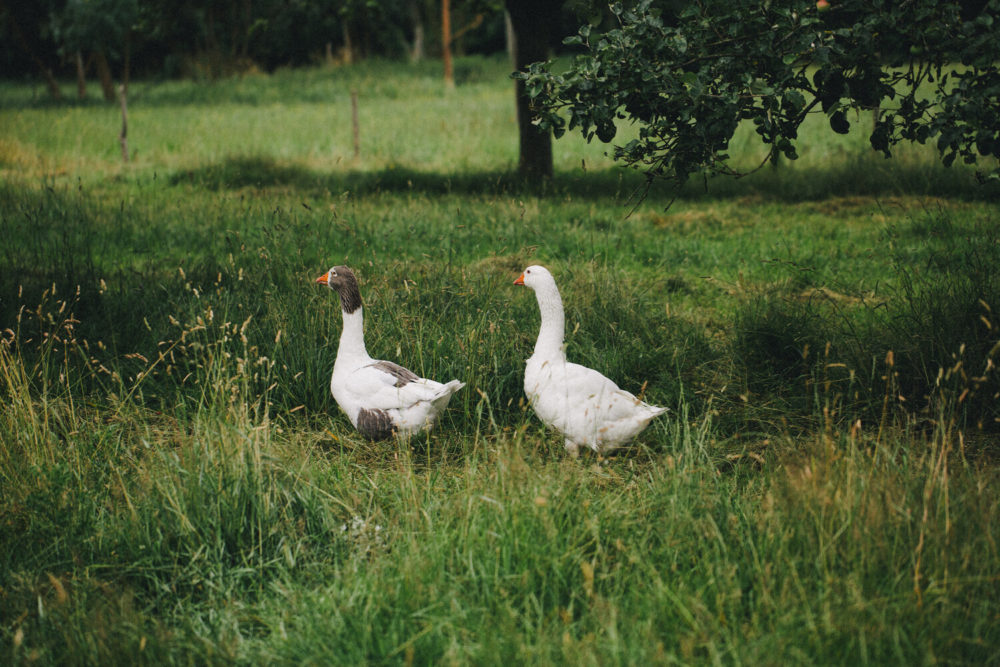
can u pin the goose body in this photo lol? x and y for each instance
(381, 398)
(589, 409)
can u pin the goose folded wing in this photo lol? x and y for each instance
(585, 386)
(381, 386)
(400, 376)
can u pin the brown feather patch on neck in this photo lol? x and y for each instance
(343, 280)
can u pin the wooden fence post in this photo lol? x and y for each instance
(123, 136)
(355, 129)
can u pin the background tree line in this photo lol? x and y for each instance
(203, 38)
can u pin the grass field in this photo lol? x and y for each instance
(178, 486)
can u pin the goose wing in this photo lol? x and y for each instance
(385, 385)
(591, 388)
(572, 393)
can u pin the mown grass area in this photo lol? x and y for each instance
(178, 485)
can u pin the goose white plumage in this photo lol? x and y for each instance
(381, 398)
(586, 407)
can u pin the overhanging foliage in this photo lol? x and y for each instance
(688, 79)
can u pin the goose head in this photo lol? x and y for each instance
(534, 277)
(343, 281)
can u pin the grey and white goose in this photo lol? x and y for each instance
(381, 398)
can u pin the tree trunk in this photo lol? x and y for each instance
(104, 74)
(417, 52)
(81, 77)
(348, 46)
(508, 33)
(449, 71)
(530, 20)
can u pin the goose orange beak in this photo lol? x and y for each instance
(323, 279)
(520, 280)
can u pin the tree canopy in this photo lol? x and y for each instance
(689, 76)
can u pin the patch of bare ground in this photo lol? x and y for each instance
(855, 205)
(691, 220)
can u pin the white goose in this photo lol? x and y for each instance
(588, 408)
(381, 398)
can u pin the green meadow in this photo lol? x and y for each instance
(177, 485)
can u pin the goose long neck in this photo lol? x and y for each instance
(352, 336)
(553, 328)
